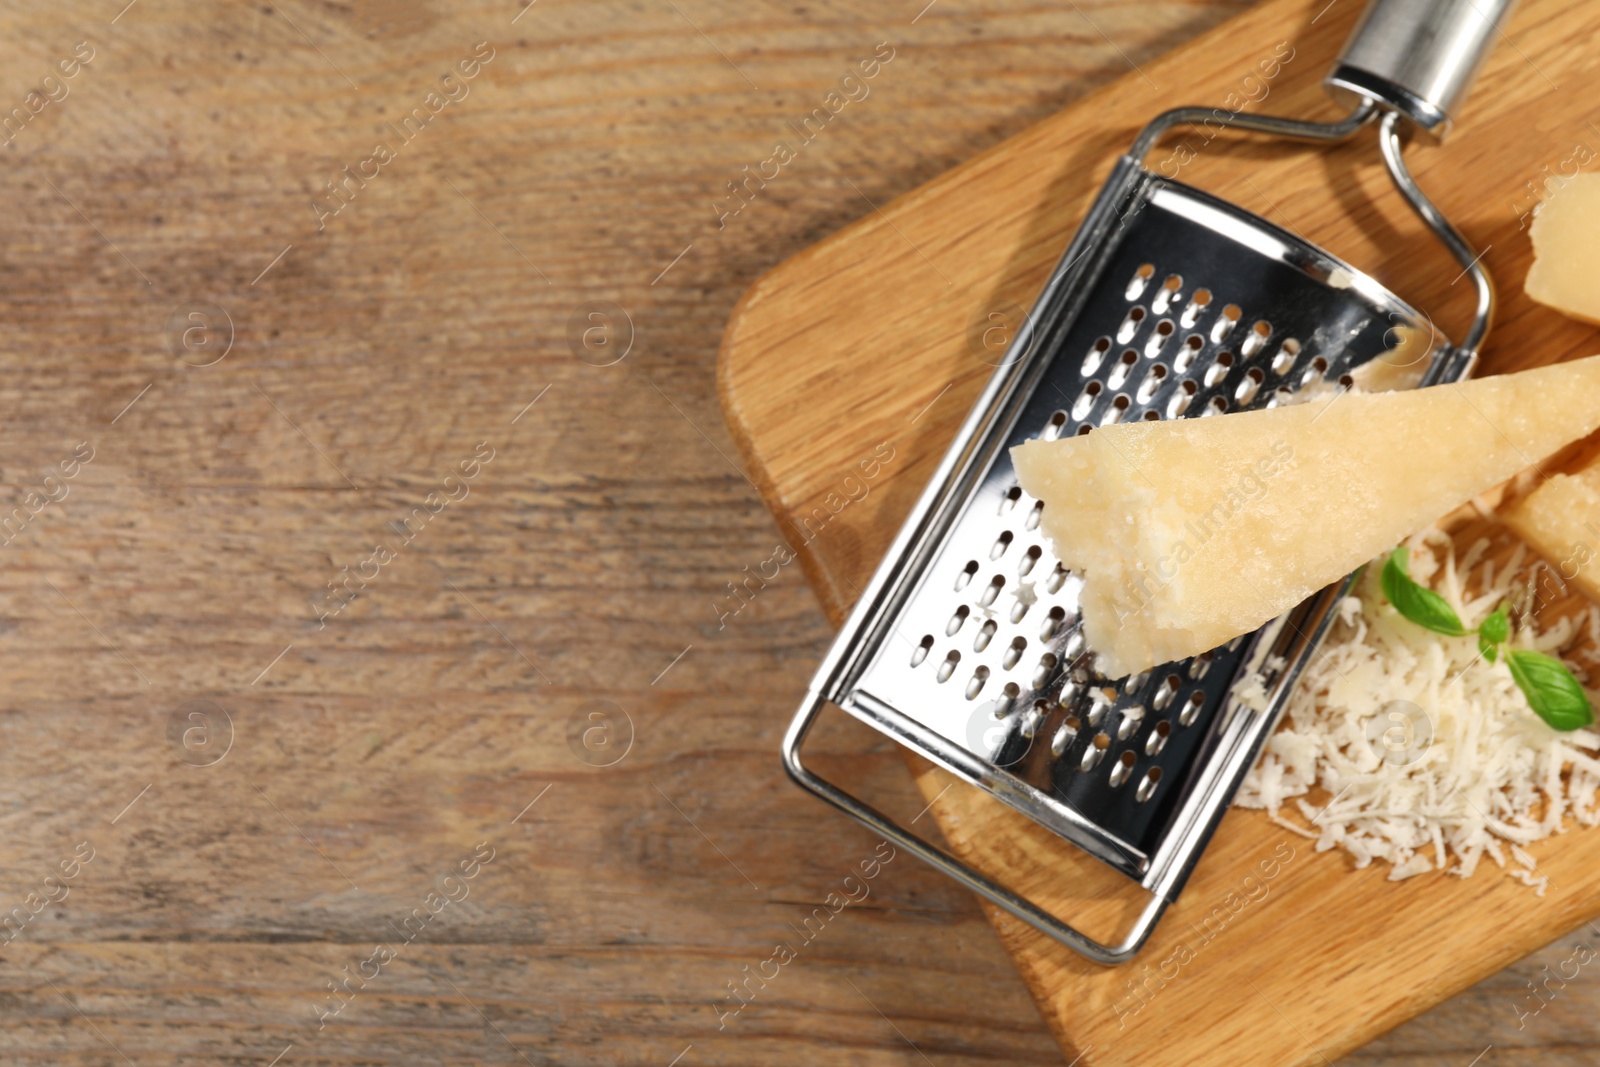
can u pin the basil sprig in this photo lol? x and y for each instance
(1552, 692)
(1494, 632)
(1417, 602)
(1551, 689)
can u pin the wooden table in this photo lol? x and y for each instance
(394, 554)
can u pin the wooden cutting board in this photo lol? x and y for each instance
(867, 346)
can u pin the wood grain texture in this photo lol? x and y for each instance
(867, 338)
(370, 755)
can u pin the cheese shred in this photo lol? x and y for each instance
(1409, 747)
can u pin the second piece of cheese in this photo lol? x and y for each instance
(1561, 521)
(1566, 249)
(1191, 532)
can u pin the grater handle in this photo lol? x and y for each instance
(1418, 57)
(946, 864)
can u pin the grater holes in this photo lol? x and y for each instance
(1249, 386)
(1318, 367)
(1199, 666)
(1225, 323)
(1135, 681)
(991, 591)
(1119, 407)
(1186, 354)
(1346, 382)
(1029, 558)
(1121, 769)
(1287, 353)
(948, 667)
(1130, 324)
(1103, 699)
(975, 683)
(985, 634)
(1120, 372)
(1167, 293)
(1181, 398)
(1018, 610)
(1218, 369)
(1032, 720)
(1008, 694)
(1165, 692)
(1052, 429)
(1152, 381)
(966, 575)
(1131, 718)
(1158, 339)
(1073, 644)
(1158, 738)
(1282, 395)
(1197, 305)
(1083, 431)
(1094, 753)
(1009, 501)
(1141, 278)
(1070, 692)
(957, 620)
(1001, 543)
(1066, 733)
(1086, 399)
(1042, 673)
(1191, 708)
(1151, 415)
(1217, 405)
(1013, 654)
(1052, 623)
(1032, 521)
(1096, 356)
(920, 653)
(1057, 579)
(1147, 785)
(1256, 339)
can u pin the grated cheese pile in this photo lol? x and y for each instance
(1494, 777)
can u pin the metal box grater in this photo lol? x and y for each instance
(966, 647)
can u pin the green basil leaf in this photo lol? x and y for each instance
(1496, 628)
(1494, 632)
(1417, 602)
(1552, 692)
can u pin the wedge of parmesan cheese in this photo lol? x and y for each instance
(1190, 532)
(1566, 249)
(1560, 520)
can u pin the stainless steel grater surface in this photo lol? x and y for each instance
(986, 651)
(1170, 303)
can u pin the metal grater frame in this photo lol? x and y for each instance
(966, 645)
